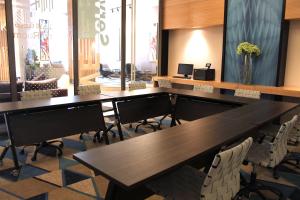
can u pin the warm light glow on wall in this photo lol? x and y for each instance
(196, 47)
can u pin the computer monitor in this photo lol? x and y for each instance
(185, 69)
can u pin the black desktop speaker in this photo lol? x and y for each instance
(204, 74)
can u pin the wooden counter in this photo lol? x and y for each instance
(282, 91)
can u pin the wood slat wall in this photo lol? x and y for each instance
(178, 14)
(292, 9)
(184, 14)
(4, 69)
(89, 60)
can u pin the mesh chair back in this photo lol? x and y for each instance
(36, 94)
(136, 86)
(278, 148)
(223, 178)
(294, 135)
(247, 93)
(89, 90)
(204, 88)
(164, 83)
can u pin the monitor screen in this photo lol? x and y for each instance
(185, 69)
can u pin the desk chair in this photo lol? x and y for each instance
(269, 133)
(204, 88)
(137, 86)
(107, 109)
(34, 95)
(164, 83)
(270, 154)
(221, 182)
(247, 93)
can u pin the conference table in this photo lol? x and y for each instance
(130, 164)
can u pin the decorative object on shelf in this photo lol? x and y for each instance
(247, 50)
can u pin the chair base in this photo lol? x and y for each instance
(43, 145)
(153, 125)
(254, 187)
(289, 158)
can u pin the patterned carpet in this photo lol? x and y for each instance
(56, 178)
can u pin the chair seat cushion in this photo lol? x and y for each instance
(184, 183)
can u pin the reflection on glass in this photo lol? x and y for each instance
(43, 44)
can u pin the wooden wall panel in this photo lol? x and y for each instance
(4, 69)
(179, 14)
(292, 9)
(185, 14)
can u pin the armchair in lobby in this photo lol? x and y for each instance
(48, 84)
(269, 154)
(221, 182)
(34, 95)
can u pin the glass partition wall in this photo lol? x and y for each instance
(41, 43)
(99, 42)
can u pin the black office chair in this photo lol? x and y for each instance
(95, 90)
(105, 71)
(35, 95)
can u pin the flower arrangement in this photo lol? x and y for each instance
(248, 48)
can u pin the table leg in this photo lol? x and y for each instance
(13, 148)
(117, 118)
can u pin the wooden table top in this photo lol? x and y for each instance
(282, 91)
(135, 161)
(56, 102)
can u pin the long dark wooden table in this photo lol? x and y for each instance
(130, 164)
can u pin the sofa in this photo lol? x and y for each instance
(48, 84)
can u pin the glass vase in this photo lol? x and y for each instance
(247, 70)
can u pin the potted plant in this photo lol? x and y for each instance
(32, 64)
(247, 50)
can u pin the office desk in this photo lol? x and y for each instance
(282, 91)
(130, 164)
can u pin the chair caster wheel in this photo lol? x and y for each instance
(15, 172)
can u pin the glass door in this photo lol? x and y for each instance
(99, 25)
